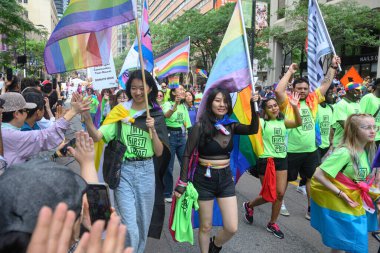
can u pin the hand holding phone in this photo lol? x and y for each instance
(99, 202)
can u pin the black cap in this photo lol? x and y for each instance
(25, 188)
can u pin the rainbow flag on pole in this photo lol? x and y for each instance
(232, 71)
(81, 38)
(201, 72)
(173, 60)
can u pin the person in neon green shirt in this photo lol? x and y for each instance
(166, 92)
(370, 104)
(94, 102)
(344, 108)
(337, 207)
(177, 120)
(303, 155)
(273, 128)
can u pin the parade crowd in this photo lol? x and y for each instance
(327, 137)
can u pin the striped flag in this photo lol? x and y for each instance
(173, 82)
(82, 37)
(174, 60)
(319, 45)
(201, 72)
(146, 41)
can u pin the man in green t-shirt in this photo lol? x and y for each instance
(303, 155)
(370, 104)
(344, 108)
(166, 92)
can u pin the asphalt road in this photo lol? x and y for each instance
(299, 235)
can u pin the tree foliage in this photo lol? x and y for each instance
(348, 23)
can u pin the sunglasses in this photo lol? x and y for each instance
(160, 96)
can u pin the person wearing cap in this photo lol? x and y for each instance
(35, 114)
(18, 145)
(344, 108)
(370, 104)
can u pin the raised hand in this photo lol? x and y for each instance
(293, 68)
(294, 99)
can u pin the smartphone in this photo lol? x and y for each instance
(9, 74)
(64, 150)
(99, 202)
(2, 101)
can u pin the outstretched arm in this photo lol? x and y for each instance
(297, 116)
(326, 83)
(281, 87)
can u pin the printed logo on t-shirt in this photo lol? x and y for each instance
(136, 142)
(307, 121)
(362, 174)
(179, 118)
(278, 140)
(325, 125)
(356, 111)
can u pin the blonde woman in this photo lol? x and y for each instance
(342, 209)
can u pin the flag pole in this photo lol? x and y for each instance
(143, 71)
(247, 52)
(327, 31)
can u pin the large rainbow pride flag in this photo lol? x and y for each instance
(173, 60)
(231, 71)
(81, 38)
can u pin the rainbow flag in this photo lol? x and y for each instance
(341, 226)
(173, 60)
(231, 67)
(231, 71)
(201, 72)
(82, 37)
(173, 82)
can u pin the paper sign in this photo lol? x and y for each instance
(104, 77)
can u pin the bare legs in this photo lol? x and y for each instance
(228, 208)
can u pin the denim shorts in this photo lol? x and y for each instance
(220, 185)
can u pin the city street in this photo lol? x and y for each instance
(299, 235)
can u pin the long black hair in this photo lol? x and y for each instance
(280, 116)
(137, 74)
(172, 96)
(208, 117)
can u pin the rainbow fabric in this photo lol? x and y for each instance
(173, 82)
(174, 60)
(82, 38)
(231, 67)
(341, 226)
(201, 72)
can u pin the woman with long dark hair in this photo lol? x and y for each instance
(177, 121)
(135, 195)
(212, 137)
(273, 128)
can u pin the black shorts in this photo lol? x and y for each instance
(322, 153)
(303, 163)
(280, 164)
(220, 185)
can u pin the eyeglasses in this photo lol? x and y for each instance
(376, 128)
(163, 87)
(160, 96)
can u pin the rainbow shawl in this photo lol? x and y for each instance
(312, 101)
(82, 38)
(341, 226)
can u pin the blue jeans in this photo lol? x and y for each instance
(177, 143)
(134, 199)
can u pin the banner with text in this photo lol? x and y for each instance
(104, 77)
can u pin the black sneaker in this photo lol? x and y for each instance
(275, 230)
(248, 213)
(212, 248)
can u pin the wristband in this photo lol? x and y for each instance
(339, 193)
(181, 183)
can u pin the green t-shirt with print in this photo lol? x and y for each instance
(342, 110)
(340, 158)
(325, 120)
(179, 118)
(370, 104)
(302, 138)
(273, 132)
(136, 140)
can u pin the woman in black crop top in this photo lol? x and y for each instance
(213, 177)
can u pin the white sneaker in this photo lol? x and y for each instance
(302, 189)
(168, 200)
(284, 211)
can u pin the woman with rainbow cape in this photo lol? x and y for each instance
(212, 137)
(342, 200)
(139, 196)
